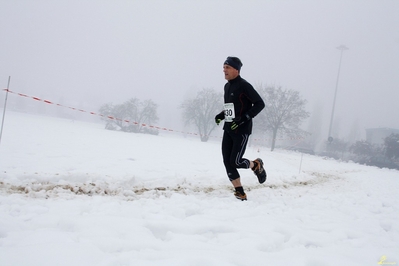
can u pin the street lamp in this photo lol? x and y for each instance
(342, 48)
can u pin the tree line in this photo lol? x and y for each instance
(364, 152)
(283, 115)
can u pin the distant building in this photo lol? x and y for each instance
(377, 135)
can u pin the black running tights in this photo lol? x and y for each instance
(233, 149)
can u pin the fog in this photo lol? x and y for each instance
(97, 52)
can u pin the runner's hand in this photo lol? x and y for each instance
(238, 121)
(219, 118)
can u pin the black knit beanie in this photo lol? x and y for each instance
(234, 62)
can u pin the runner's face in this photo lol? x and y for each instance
(230, 72)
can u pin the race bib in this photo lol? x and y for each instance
(229, 114)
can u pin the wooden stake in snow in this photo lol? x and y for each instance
(300, 165)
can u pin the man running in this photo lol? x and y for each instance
(241, 103)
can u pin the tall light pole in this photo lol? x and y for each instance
(342, 48)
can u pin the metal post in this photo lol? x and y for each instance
(342, 48)
(4, 110)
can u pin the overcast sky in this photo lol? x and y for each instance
(109, 51)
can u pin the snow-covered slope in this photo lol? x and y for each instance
(73, 193)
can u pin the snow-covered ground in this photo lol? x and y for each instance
(72, 193)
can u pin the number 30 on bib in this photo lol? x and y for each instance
(229, 114)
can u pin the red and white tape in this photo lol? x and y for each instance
(96, 114)
(124, 120)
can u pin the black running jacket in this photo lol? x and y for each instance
(246, 101)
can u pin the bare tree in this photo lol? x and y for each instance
(147, 115)
(201, 110)
(284, 112)
(130, 116)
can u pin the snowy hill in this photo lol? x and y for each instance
(73, 193)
